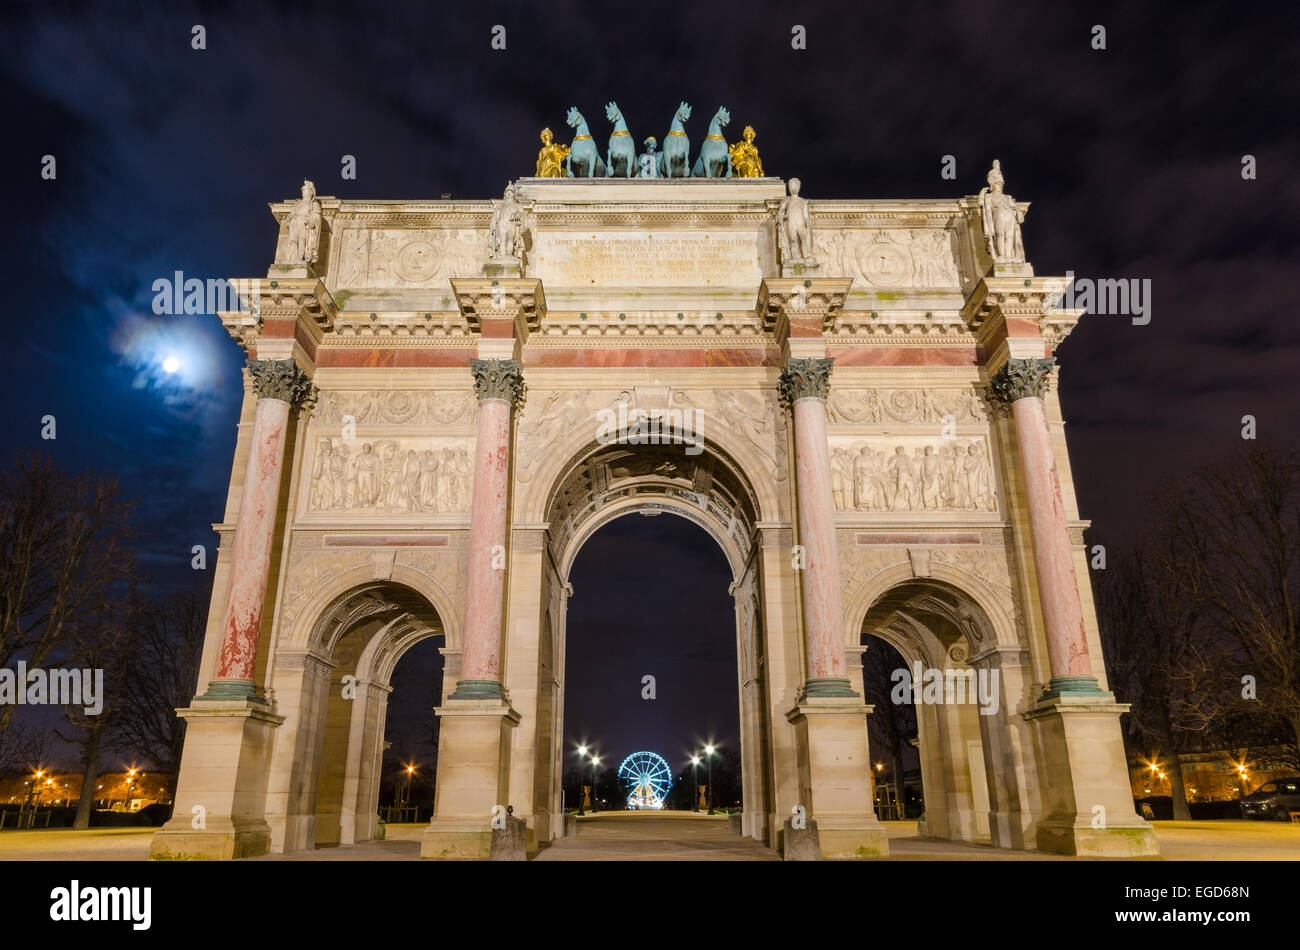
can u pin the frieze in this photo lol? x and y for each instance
(912, 475)
(401, 475)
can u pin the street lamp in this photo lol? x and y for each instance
(709, 750)
(695, 799)
(582, 755)
(406, 799)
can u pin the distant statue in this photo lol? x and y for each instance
(505, 230)
(714, 160)
(583, 160)
(620, 160)
(1001, 219)
(648, 161)
(303, 242)
(677, 147)
(550, 160)
(794, 232)
(745, 162)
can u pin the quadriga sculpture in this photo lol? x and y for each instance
(677, 147)
(620, 160)
(714, 160)
(584, 158)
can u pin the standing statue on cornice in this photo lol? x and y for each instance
(745, 162)
(506, 231)
(1002, 219)
(303, 244)
(550, 160)
(794, 233)
(714, 161)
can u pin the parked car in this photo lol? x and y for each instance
(1276, 799)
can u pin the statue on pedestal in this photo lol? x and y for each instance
(550, 160)
(794, 233)
(648, 161)
(1001, 220)
(745, 162)
(506, 233)
(303, 243)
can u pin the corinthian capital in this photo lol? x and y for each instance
(805, 378)
(498, 379)
(280, 379)
(1020, 379)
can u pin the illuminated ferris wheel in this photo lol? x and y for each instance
(647, 778)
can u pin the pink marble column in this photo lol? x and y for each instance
(1020, 384)
(279, 384)
(499, 385)
(804, 384)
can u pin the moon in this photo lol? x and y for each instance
(171, 364)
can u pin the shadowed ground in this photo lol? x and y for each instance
(650, 836)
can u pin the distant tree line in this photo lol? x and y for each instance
(72, 596)
(1200, 616)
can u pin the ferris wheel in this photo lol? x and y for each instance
(647, 778)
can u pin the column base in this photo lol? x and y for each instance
(473, 778)
(219, 811)
(224, 839)
(1060, 686)
(478, 689)
(835, 776)
(450, 839)
(829, 686)
(1085, 780)
(222, 690)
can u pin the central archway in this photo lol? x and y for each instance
(606, 481)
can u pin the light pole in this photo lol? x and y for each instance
(582, 755)
(406, 799)
(695, 798)
(708, 750)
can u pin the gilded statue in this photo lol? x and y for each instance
(745, 162)
(550, 160)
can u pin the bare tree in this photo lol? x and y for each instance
(101, 641)
(1241, 530)
(162, 677)
(62, 543)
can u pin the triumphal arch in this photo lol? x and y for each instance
(855, 398)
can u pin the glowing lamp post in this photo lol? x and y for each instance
(695, 797)
(708, 751)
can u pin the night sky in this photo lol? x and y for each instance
(167, 156)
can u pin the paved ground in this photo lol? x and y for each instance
(623, 836)
(653, 836)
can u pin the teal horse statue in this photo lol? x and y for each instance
(584, 159)
(676, 162)
(620, 160)
(714, 160)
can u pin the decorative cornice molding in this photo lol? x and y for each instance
(804, 379)
(800, 296)
(1019, 379)
(498, 379)
(507, 297)
(996, 299)
(281, 379)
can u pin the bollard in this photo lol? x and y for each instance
(511, 842)
(801, 844)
